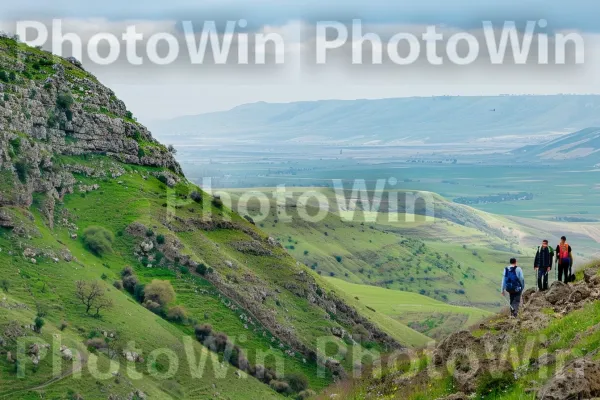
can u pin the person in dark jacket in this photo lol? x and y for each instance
(543, 264)
(564, 258)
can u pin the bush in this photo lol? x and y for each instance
(177, 314)
(130, 282)
(118, 285)
(160, 239)
(203, 332)
(63, 325)
(201, 269)
(39, 324)
(149, 232)
(153, 306)
(161, 292)
(217, 202)
(297, 382)
(184, 270)
(139, 292)
(98, 240)
(338, 259)
(196, 196)
(280, 387)
(5, 285)
(64, 100)
(22, 170)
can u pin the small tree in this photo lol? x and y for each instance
(92, 296)
(5, 285)
(39, 324)
(98, 240)
(161, 292)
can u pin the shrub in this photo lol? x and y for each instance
(118, 285)
(5, 285)
(217, 342)
(98, 240)
(196, 196)
(153, 306)
(130, 282)
(64, 100)
(63, 325)
(296, 381)
(39, 324)
(249, 219)
(217, 202)
(22, 170)
(201, 269)
(279, 386)
(184, 270)
(163, 179)
(338, 259)
(139, 292)
(160, 239)
(104, 277)
(177, 314)
(202, 332)
(161, 292)
(149, 232)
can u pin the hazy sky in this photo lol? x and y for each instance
(180, 89)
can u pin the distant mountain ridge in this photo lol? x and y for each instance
(390, 121)
(583, 145)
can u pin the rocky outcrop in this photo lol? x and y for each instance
(67, 113)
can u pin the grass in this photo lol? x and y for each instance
(409, 308)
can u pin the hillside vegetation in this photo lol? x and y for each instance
(120, 279)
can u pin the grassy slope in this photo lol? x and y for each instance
(435, 316)
(115, 206)
(451, 263)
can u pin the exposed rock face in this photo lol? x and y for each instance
(67, 113)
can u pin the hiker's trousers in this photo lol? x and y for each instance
(515, 302)
(563, 270)
(542, 278)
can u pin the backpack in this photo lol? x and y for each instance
(512, 281)
(563, 251)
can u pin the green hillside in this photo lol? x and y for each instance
(111, 258)
(457, 257)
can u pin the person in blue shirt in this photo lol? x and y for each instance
(513, 282)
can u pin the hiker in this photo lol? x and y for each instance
(513, 282)
(564, 258)
(543, 264)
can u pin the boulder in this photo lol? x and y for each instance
(589, 273)
(147, 246)
(578, 380)
(559, 292)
